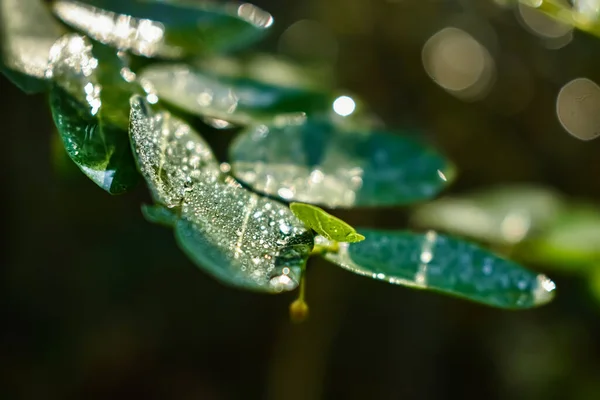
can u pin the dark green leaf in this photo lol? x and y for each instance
(97, 144)
(100, 150)
(170, 29)
(169, 154)
(318, 162)
(504, 214)
(325, 224)
(160, 215)
(242, 239)
(27, 33)
(444, 264)
(236, 100)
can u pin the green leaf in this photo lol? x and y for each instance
(444, 264)
(27, 33)
(159, 215)
(169, 154)
(237, 100)
(171, 29)
(503, 215)
(91, 135)
(325, 224)
(240, 238)
(272, 70)
(100, 150)
(571, 241)
(319, 162)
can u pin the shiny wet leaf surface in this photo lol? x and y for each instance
(94, 137)
(236, 100)
(170, 155)
(444, 264)
(238, 237)
(27, 33)
(242, 239)
(318, 162)
(169, 29)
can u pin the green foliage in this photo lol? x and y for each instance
(572, 241)
(318, 161)
(238, 100)
(498, 215)
(27, 32)
(444, 264)
(93, 130)
(292, 147)
(539, 225)
(325, 224)
(160, 215)
(171, 29)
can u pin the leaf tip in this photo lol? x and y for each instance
(355, 238)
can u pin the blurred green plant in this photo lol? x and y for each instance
(300, 142)
(582, 14)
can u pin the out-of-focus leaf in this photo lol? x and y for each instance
(170, 155)
(572, 240)
(92, 135)
(242, 239)
(160, 215)
(583, 16)
(27, 33)
(236, 100)
(171, 29)
(444, 264)
(272, 70)
(503, 214)
(319, 162)
(325, 224)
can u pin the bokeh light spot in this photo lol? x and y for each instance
(344, 106)
(578, 108)
(458, 63)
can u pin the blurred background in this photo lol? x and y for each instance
(97, 303)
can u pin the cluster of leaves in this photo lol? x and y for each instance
(117, 122)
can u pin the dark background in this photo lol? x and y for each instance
(96, 303)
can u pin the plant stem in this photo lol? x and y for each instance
(299, 309)
(319, 249)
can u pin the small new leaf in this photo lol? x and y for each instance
(325, 224)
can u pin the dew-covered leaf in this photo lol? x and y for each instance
(325, 224)
(444, 264)
(27, 33)
(503, 214)
(169, 154)
(572, 240)
(93, 137)
(233, 99)
(240, 238)
(172, 29)
(159, 215)
(318, 162)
